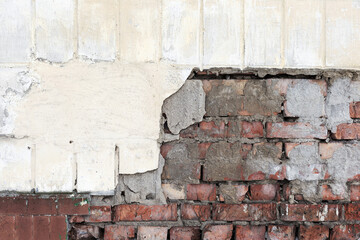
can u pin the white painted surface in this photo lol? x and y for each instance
(114, 97)
(54, 30)
(15, 30)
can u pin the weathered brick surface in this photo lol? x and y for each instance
(128, 212)
(99, 214)
(314, 232)
(266, 192)
(232, 193)
(347, 131)
(352, 211)
(152, 233)
(312, 213)
(217, 232)
(7, 227)
(201, 192)
(73, 206)
(185, 233)
(355, 192)
(250, 232)
(196, 212)
(252, 129)
(355, 110)
(281, 232)
(245, 212)
(114, 232)
(342, 232)
(295, 130)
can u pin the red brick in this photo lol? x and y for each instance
(310, 212)
(70, 206)
(352, 211)
(327, 150)
(232, 193)
(217, 232)
(201, 192)
(345, 232)
(195, 212)
(7, 227)
(327, 194)
(99, 214)
(276, 232)
(252, 129)
(190, 132)
(202, 148)
(355, 110)
(355, 193)
(245, 212)
(41, 227)
(152, 233)
(134, 212)
(213, 129)
(267, 192)
(85, 232)
(314, 232)
(12, 205)
(77, 219)
(23, 227)
(347, 131)
(41, 206)
(250, 232)
(165, 148)
(185, 233)
(58, 228)
(115, 232)
(295, 130)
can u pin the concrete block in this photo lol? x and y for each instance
(303, 36)
(263, 33)
(15, 31)
(140, 30)
(97, 29)
(54, 167)
(223, 32)
(96, 165)
(15, 165)
(54, 30)
(180, 31)
(343, 33)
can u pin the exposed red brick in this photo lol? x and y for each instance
(41, 227)
(232, 193)
(327, 150)
(195, 212)
(70, 206)
(286, 191)
(212, 129)
(354, 192)
(77, 219)
(41, 206)
(185, 233)
(201, 192)
(132, 212)
(99, 214)
(355, 110)
(165, 148)
(85, 232)
(7, 227)
(245, 212)
(347, 131)
(281, 232)
(23, 227)
(352, 211)
(245, 150)
(295, 130)
(314, 232)
(203, 147)
(327, 194)
(12, 205)
(345, 232)
(218, 232)
(58, 228)
(190, 132)
(310, 212)
(115, 232)
(267, 192)
(152, 233)
(250, 232)
(252, 129)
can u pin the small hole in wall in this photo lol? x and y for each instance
(122, 193)
(29, 147)
(150, 196)
(71, 141)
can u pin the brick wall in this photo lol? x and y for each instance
(272, 158)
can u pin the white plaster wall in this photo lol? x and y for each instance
(83, 81)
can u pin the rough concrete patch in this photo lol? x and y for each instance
(144, 188)
(308, 189)
(185, 107)
(304, 99)
(337, 103)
